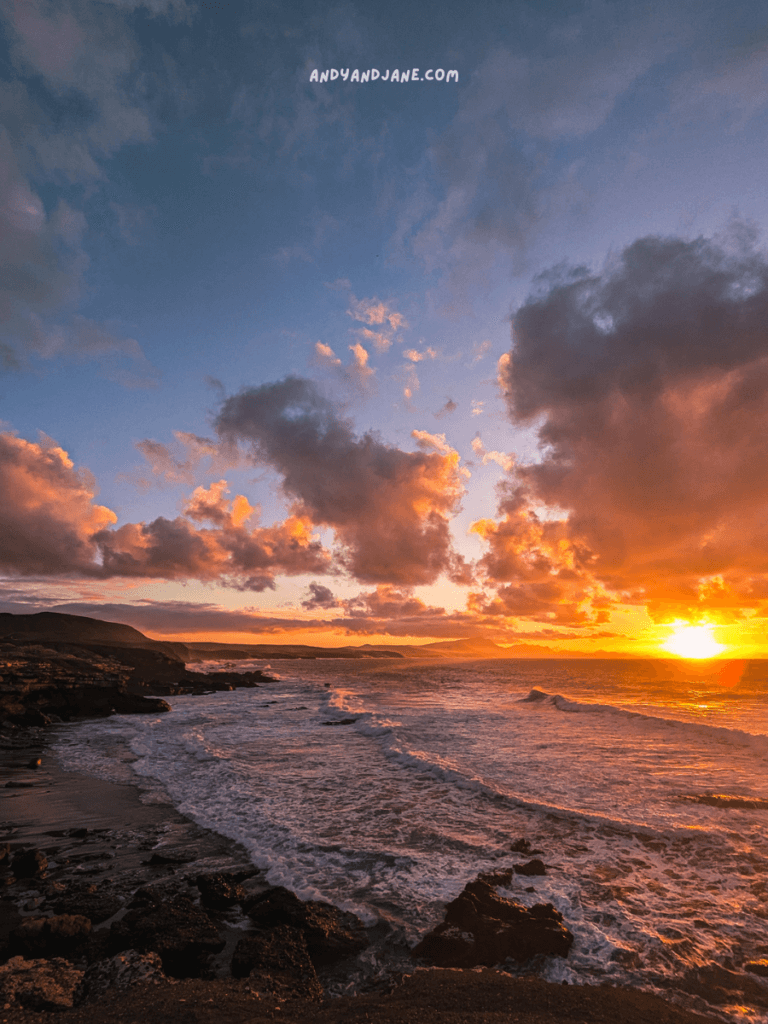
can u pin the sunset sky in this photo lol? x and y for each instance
(346, 361)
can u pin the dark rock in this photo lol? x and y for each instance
(331, 934)
(759, 967)
(35, 762)
(280, 962)
(5, 856)
(494, 878)
(533, 867)
(58, 936)
(340, 721)
(97, 904)
(19, 785)
(181, 933)
(120, 972)
(219, 891)
(39, 984)
(29, 863)
(520, 846)
(482, 928)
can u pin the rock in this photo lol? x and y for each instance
(35, 762)
(219, 891)
(5, 856)
(520, 846)
(97, 904)
(170, 857)
(29, 863)
(280, 963)
(39, 984)
(533, 867)
(50, 936)
(120, 972)
(759, 967)
(482, 928)
(331, 934)
(181, 933)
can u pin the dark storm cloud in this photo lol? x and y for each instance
(648, 383)
(389, 508)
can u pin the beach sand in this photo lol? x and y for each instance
(49, 808)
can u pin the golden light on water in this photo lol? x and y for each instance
(692, 641)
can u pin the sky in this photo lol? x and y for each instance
(360, 323)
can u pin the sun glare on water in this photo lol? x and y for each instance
(693, 642)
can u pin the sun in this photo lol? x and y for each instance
(693, 642)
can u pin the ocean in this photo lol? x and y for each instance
(385, 786)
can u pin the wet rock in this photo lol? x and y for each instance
(29, 863)
(94, 902)
(533, 867)
(759, 967)
(39, 984)
(279, 962)
(520, 846)
(181, 933)
(331, 934)
(59, 936)
(120, 972)
(5, 856)
(482, 928)
(219, 891)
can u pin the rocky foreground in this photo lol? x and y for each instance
(56, 681)
(81, 952)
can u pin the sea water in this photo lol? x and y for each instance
(384, 786)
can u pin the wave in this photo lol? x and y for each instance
(758, 742)
(385, 732)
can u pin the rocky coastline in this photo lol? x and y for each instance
(44, 682)
(115, 910)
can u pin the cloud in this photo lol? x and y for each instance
(390, 509)
(385, 320)
(507, 462)
(417, 357)
(445, 410)
(50, 526)
(357, 372)
(320, 597)
(183, 463)
(647, 383)
(229, 553)
(494, 169)
(326, 354)
(79, 95)
(47, 516)
(359, 369)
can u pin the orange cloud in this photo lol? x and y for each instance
(47, 515)
(50, 526)
(390, 509)
(649, 383)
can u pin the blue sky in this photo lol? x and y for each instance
(188, 218)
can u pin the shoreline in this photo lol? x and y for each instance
(98, 834)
